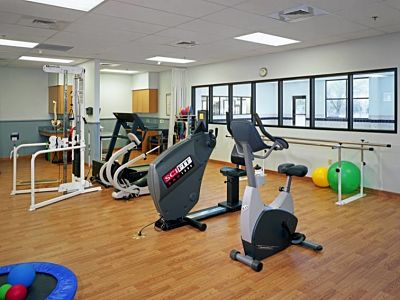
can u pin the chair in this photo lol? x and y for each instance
(159, 140)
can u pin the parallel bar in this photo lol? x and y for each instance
(15, 157)
(33, 205)
(42, 190)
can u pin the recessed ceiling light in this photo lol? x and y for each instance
(266, 39)
(118, 71)
(171, 60)
(21, 44)
(46, 59)
(84, 5)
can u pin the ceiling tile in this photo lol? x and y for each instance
(227, 2)
(392, 3)
(39, 10)
(266, 8)
(191, 8)
(390, 28)
(29, 34)
(204, 26)
(93, 42)
(137, 51)
(241, 19)
(139, 13)
(178, 34)
(317, 28)
(333, 6)
(10, 18)
(363, 15)
(101, 22)
(6, 54)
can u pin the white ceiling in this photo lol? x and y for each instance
(129, 31)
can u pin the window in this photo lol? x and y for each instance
(374, 101)
(267, 102)
(241, 106)
(296, 103)
(220, 104)
(358, 101)
(201, 95)
(331, 102)
(361, 97)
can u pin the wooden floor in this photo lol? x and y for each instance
(93, 235)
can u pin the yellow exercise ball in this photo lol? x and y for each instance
(320, 177)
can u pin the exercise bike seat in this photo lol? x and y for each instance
(232, 172)
(293, 170)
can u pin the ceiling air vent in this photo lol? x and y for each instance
(298, 14)
(108, 64)
(44, 22)
(186, 44)
(53, 47)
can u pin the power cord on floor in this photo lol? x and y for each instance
(140, 233)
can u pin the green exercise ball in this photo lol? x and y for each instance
(351, 177)
(3, 290)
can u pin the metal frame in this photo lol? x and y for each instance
(339, 146)
(14, 154)
(335, 99)
(312, 113)
(81, 185)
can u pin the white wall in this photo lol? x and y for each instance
(164, 88)
(371, 53)
(115, 94)
(23, 94)
(143, 81)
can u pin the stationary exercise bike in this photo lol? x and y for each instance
(265, 230)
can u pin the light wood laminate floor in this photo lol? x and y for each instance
(93, 235)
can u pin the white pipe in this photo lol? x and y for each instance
(14, 154)
(33, 166)
(339, 174)
(127, 165)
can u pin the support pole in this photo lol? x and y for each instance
(65, 125)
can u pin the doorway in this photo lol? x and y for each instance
(299, 110)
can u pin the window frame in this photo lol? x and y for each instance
(346, 100)
(360, 98)
(349, 89)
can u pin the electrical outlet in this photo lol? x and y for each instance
(14, 136)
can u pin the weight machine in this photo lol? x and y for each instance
(78, 185)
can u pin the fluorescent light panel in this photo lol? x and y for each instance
(171, 60)
(266, 39)
(12, 43)
(46, 59)
(118, 71)
(84, 5)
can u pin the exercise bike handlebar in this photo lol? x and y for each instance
(279, 143)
